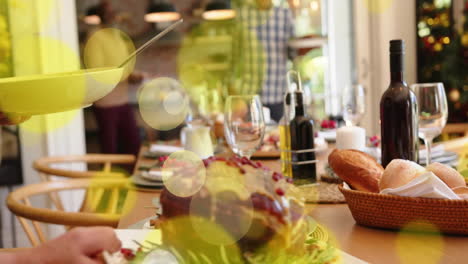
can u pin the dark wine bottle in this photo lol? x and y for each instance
(398, 112)
(302, 139)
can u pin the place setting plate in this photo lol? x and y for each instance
(157, 150)
(148, 179)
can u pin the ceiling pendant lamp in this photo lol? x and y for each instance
(218, 10)
(92, 17)
(161, 11)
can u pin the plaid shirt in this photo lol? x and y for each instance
(260, 51)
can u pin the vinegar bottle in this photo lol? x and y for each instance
(302, 139)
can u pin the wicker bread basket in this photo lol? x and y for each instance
(396, 212)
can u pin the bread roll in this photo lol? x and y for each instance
(399, 172)
(450, 176)
(356, 168)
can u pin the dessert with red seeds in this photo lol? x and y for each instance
(266, 199)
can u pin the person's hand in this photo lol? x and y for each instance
(78, 246)
(12, 119)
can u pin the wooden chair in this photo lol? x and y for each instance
(454, 128)
(44, 167)
(102, 196)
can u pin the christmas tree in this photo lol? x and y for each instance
(443, 54)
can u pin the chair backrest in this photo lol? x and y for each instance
(455, 128)
(43, 165)
(102, 194)
(45, 169)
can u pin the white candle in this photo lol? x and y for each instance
(198, 140)
(266, 115)
(351, 137)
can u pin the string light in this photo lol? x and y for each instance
(314, 5)
(446, 40)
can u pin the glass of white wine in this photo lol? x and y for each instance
(432, 111)
(244, 124)
(354, 104)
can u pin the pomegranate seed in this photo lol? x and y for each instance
(276, 177)
(289, 180)
(128, 253)
(244, 161)
(279, 191)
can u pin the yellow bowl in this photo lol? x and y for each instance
(58, 92)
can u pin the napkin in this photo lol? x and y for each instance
(164, 149)
(425, 185)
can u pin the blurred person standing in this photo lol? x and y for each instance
(260, 52)
(118, 131)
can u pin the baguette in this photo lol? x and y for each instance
(358, 169)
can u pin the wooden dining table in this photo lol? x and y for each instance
(369, 244)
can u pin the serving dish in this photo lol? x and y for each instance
(140, 181)
(57, 92)
(409, 213)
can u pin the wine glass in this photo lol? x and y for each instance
(353, 102)
(244, 124)
(433, 112)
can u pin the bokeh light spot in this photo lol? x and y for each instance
(226, 204)
(49, 123)
(45, 94)
(172, 102)
(183, 173)
(44, 89)
(163, 103)
(23, 8)
(420, 242)
(190, 247)
(156, 256)
(109, 47)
